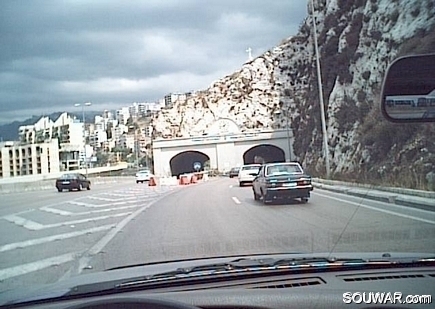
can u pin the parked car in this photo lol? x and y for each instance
(247, 173)
(234, 172)
(73, 181)
(282, 181)
(142, 176)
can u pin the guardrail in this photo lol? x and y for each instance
(405, 191)
(400, 196)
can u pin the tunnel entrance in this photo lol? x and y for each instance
(265, 153)
(187, 161)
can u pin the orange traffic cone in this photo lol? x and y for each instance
(194, 179)
(184, 180)
(152, 182)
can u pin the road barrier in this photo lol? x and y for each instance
(184, 180)
(193, 179)
(168, 181)
(152, 182)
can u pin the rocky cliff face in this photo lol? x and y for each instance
(358, 39)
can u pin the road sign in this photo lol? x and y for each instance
(197, 166)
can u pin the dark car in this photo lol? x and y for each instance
(429, 114)
(282, 181)
(73, 181)
(234, 172)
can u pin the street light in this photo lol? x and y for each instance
(278, 112)
(84, 131)
(136, 146)
(322, 107)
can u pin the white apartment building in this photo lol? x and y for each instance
(171, 98)
(122, 115)
(31, 159)
(108, 115)
(127, 141)
(147, 131)
(97, 138)
(65, 128)
(68, 133)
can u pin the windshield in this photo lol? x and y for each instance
(153, 103)
(283, 169)
(251, 168)
(68, 176)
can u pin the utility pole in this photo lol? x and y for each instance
(322, 107)
(84, 133)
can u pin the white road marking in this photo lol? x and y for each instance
(23, 269)
(100, 205)
(56, 211)
(378, 209)
(111, 199)
(70, 214)
(236, 200)
(116, 194)
(28, 224)
(32, 225)
(38, 241)
(99, 246)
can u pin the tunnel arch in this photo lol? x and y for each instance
(264, 153)
(183, 162)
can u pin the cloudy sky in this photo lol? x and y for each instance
(55, 53)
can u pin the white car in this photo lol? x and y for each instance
(143, 175)
(247, 173)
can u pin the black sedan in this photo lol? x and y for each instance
(73, 181)
(282, 181)
(234, 172)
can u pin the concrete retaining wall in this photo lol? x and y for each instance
(49, 184)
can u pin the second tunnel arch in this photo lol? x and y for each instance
(263, 153)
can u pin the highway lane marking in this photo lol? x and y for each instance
(70, 214)
(28, 224)
(38, 241)
(100, 205)
(34, 226)
(23, 269)
(141, 192)
(111, 199)
(86, 257)
(56, 211)
(236, 200)
(378, 209)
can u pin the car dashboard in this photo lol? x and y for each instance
(303, 290)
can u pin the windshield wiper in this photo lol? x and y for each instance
(251, 265)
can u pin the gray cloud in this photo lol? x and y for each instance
(57, 53)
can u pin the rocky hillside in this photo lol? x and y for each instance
(357, 40)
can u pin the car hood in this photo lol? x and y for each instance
(126, 273)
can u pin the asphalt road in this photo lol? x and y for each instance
(48, 236)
